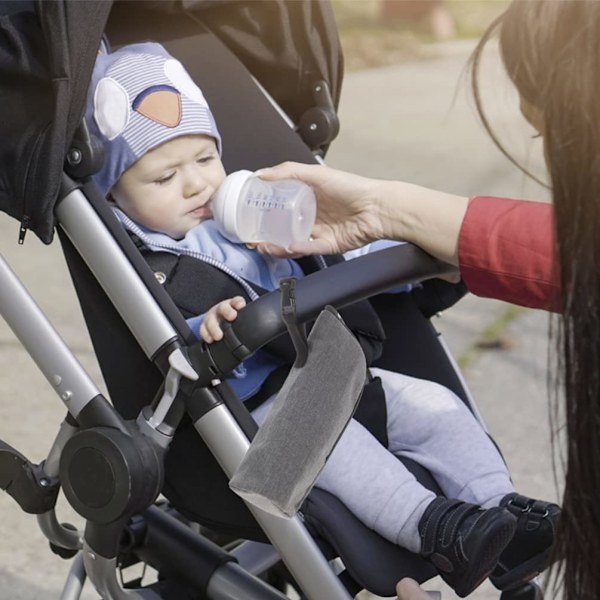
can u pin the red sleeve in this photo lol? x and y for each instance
(506, 251)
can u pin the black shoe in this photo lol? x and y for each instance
(528, 553)
(464, 541)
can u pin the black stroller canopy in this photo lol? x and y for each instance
(47, 53)
(46, 61)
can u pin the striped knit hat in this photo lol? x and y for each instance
(139, 98)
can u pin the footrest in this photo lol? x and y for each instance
(26, 482)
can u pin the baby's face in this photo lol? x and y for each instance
(169, 188)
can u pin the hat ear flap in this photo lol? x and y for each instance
(181, 80)
(111, 107)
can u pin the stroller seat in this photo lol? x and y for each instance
(248, 143)
(195, 481)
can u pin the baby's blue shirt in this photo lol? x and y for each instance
(205, 243)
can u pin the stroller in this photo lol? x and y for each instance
(111, 459)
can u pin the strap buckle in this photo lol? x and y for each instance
(296, 330)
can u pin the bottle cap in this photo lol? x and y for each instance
(224, 204)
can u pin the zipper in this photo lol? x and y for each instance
(25, 223)
(132, 226)
(29, 176)
(320, 260)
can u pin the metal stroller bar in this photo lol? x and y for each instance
(75, 580)
(176, 548)
(121, 283)
(297, 548)
(54, 359)
(227, 583)
(139, 309)
(233, 584)
(103, 572)
(114, 273)
(57, 534)
(255, 557)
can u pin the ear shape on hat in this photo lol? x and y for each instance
(180, 78)
(161, 104)
(111, 107)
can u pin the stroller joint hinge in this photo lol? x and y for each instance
(179, 366)
(27, 483)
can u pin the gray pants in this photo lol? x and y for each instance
(425, 422)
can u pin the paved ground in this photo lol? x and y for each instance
(397, 122)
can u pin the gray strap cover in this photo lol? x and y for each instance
(312, 409)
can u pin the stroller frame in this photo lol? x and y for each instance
(217, 426)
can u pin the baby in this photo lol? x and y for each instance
(163, 166)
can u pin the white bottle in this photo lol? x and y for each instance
(247, 209)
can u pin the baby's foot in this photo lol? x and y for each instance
(464, 541)
(528, 553)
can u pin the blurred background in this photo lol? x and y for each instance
(407, 113)
(382, 32)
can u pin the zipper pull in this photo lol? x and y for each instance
(25, 222)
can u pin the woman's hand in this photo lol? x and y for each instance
(353, 211)
(347, 213)
(409, 589)
(227, 310)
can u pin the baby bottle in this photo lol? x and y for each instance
(247, 209)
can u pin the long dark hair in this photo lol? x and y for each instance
(551, 50)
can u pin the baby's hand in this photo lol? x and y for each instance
(210, 330)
